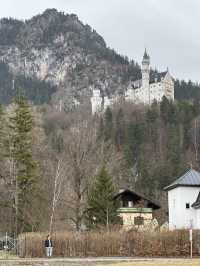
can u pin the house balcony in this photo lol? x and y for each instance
(134, 210)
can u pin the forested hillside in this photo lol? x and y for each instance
(142, 148)
(53, 162)
(58, 49)
(186, 90)
(37, 91)
(158, 143)
(55, 52)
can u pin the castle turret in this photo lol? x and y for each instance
(96, 101)
(146, 76)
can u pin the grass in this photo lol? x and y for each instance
(160, 263)
(6, 255)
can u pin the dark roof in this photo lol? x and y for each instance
(154, 77)
(157, 77)
(190, 179)
(137, 83)
(146, 56)
(196, 204)
(152, 204)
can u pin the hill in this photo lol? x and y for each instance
(61, 50)
(56, 53)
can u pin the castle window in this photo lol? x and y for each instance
(130, 204)
(187, 205)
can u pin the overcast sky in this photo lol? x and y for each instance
(170, 29)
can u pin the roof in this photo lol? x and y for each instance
(152, 204)
(190, 179)
(196, 204)
(157, 77)
(154, 77)
(137, 83)
(146, 56)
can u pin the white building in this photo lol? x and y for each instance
(100, 103)
(152, 87)
(96, 101)
(184, 201)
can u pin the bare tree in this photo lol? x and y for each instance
(81, 161)
(58, 182)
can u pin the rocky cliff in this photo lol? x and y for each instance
(54, 56)
(58, 49)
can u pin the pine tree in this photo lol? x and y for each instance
(2, 131)
(129, 147)
(108, 125)
(174, 151)
(152, 123)
(120, 129)
(164, 109)
(102, 208)
(24, 167)
(100, 129)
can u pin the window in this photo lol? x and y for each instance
(130, 204)
(187, 205)
(139, 220)
(125, 203)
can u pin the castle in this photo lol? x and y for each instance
(152, 87)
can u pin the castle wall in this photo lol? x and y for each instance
(169, 87)
(146, 94)
(96, 102)
(157, 91)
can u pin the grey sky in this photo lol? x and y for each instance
(169, 29)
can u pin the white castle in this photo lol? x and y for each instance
(152, 87)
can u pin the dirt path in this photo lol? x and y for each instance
(119, 261)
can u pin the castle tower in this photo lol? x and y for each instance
(96, 101)
(146, 76)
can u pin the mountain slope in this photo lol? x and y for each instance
(62, 57)
(58, 48)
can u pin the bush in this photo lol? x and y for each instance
(83, 244)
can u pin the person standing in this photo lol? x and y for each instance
(49, 246)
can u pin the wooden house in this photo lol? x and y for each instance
(135, 209)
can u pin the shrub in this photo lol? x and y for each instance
(114, 243)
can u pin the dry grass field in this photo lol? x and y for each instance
(185, 262)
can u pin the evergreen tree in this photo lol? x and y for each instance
(24, 167)
(196, 107)
(187, 113)
(102, 209)
(3, 134)
(174, 151)
(120, 129)
(108, 124)
(2, 130)
(100, 129)
(129, 148)
(152, 116)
